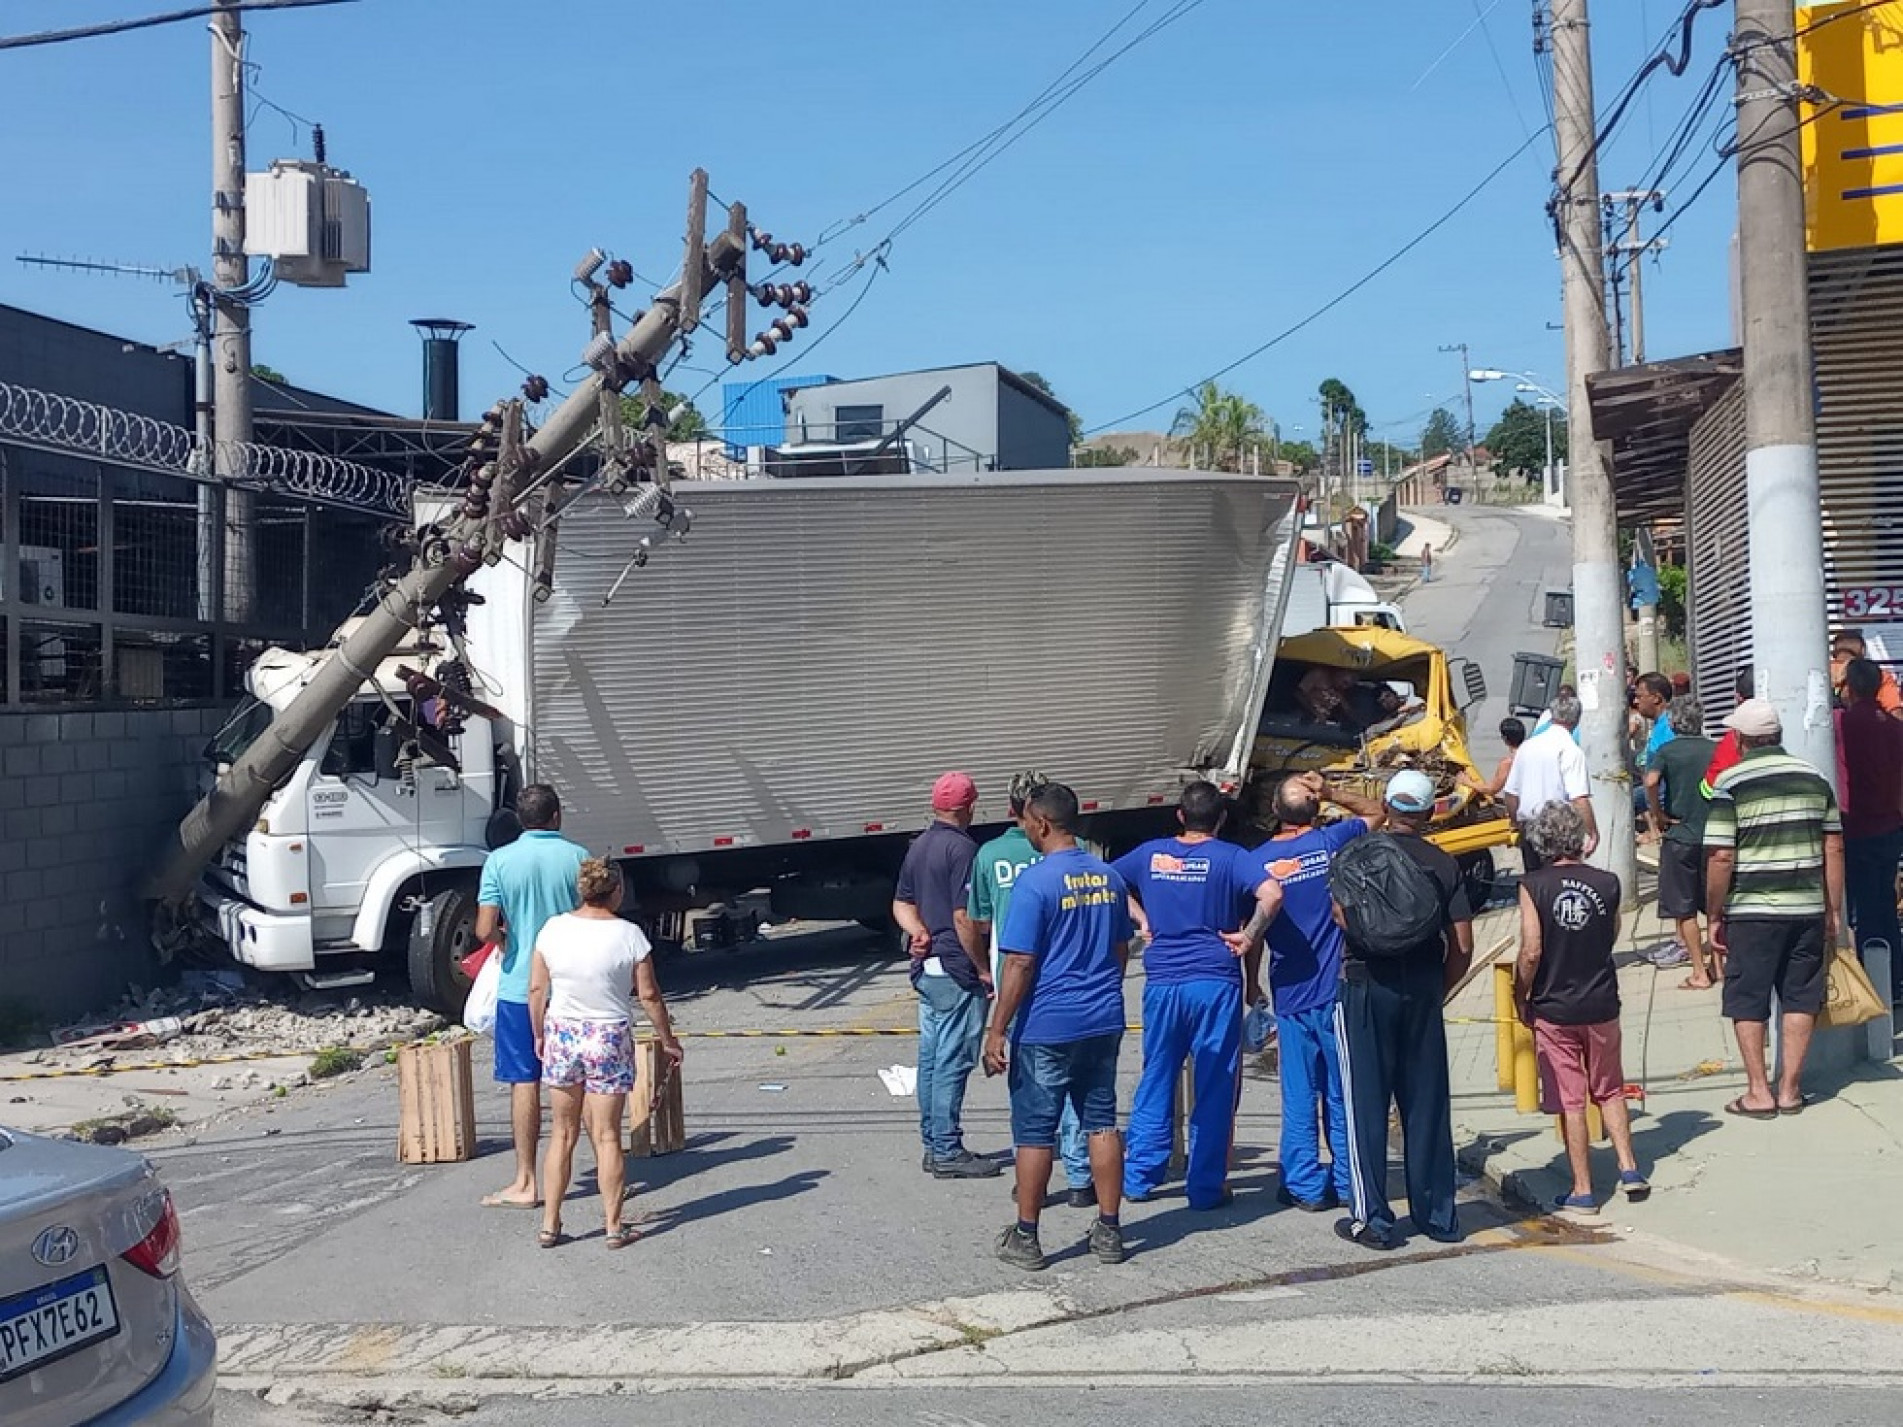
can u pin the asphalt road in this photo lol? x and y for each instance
(1015, 1405)
(1487, 601)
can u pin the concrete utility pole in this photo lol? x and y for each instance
(1635, 202)
(1789, 625)
(491, 515)
(1466, 366)
(231, 319)
(1598, 589)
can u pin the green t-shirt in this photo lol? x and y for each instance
(993, 873)
(1681, 765)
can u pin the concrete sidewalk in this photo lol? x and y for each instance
(1422, 530)
(1810, 1196)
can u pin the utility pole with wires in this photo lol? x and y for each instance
(1467, 386)
(1625, 253)
(230, 316)
(1789, 621)
(1598, 589)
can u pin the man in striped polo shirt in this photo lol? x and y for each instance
(1774, 889)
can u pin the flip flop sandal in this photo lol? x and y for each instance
(621, 1236)
(550, 1238)
(1745, 1112)
(496, 1201)
(1796, 1109)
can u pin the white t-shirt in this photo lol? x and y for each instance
(1549, 768)
(591, 963)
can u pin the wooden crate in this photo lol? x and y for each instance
(655, 1129)
(436, 1089)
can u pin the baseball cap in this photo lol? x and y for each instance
(953, 792)
(1756, 718)
(1410, 791)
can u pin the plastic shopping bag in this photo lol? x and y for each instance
(1258, 1028)
(479, 1011)
(472, 964)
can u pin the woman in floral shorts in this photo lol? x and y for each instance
(589, 965)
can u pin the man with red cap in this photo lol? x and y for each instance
(954, 987)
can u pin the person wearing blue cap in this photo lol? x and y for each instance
(1408, 939)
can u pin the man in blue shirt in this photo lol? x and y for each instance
(1066, 939)
(1305, 981)
(1651, 696)
(987, 900)
(523, 886)
(952, 982)
(1192, 888)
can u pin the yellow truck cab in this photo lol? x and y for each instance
(1358, 704)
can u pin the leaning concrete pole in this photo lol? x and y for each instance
(1789, 626)
(246, 786)
(1598, 590)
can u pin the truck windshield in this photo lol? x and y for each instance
(241, 730)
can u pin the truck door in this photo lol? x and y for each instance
(368, 802)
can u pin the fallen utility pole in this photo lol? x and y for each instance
(492, 513)
(1598, 586)
(1789, 624)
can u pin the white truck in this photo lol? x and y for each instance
(766, 705)
(1326, 594)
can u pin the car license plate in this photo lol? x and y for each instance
(55, 1319)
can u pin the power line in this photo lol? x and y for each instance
(1408, 247)
(147, 22)
(1486, 33)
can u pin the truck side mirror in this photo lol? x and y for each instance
(384, 747)
(1476, 683)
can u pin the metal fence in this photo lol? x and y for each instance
(121, 586)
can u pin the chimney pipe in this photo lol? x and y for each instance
(442, 396)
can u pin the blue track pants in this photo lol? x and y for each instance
(1311, 1097)
(1201, 1022)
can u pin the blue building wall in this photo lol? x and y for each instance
(751, 413)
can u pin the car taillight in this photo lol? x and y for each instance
(157, 1252)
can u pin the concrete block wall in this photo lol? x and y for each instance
(86, 802)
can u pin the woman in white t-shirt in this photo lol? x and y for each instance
(588, 965)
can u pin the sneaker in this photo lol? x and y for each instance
(966, 1165)
(1577, 1206)
(1634, 1185)
(1081, 1199)
(1106, 1242)
(1670, 956)
(1020, 1250)
(1307, 1206)
(925, 1162)
(1355, 1231)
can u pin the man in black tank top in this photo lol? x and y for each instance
(1568, 991)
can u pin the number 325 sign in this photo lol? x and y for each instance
(1873, 602)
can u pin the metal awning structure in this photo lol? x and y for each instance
(1647, 413)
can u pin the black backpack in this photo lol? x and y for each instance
(1390, 905)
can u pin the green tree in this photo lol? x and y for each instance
(1302, 457)
(1518, 440)
(1348, 415)
(1443, 434)
(687, 423)
(1042, 383)
(1087, 456)
(269, 374)
(1228, 426)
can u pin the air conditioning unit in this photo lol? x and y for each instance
(42, 577)
(311, 220)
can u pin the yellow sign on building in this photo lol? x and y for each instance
(1853, 137)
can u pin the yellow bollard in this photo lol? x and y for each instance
(1526, 1071)
(1595, 1125)
(1504, 1021)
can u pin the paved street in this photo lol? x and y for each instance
(795, 1244)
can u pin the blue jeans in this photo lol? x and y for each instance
(1073, 1148)
(951, 1024)
(1201, 1022)
(1870, 888)
(1311, 1077)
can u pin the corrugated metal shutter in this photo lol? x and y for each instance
(817, 652)
(1857, 319)
(1718, 589)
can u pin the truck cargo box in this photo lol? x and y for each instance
(816, 652)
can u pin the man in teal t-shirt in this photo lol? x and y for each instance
(523, 886)
(993, 874)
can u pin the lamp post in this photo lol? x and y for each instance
(1549, 487)
(1525, 382)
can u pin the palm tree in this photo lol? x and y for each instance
(1225, 424)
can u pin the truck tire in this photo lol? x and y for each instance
(1478, 876)
(441, 935)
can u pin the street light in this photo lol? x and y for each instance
(1524, 382)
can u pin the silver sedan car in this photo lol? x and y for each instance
(96, 1326)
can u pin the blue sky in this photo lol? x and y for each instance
(1211, 187)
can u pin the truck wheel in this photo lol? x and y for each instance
(1478, 876)
(443, 933)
